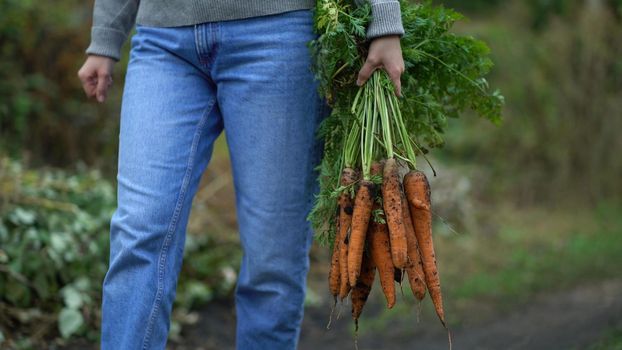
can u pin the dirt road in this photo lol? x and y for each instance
(567, 320)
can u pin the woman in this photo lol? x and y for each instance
(198, 67)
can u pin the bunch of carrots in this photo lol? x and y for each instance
(384, 220)
(374, 203)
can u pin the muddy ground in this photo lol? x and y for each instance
(572, 319)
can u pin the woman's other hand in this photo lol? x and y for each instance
(96, 76)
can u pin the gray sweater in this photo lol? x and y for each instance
(114, 19)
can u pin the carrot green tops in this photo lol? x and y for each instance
(114, 19)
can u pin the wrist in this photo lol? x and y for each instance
(395, 37)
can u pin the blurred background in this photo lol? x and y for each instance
(528, 215)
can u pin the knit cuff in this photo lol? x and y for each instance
(386, 19)
(106, 42)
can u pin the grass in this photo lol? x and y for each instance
(612, 340)
(529, 252)
(556, 250)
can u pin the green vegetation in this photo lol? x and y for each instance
(522, 260)
(559, 140)
(54, 254)
(53, 249)
(44, 116)
(612, 340)
(504, 269)
(540, 11)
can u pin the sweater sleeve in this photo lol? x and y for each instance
(386, 18)
(112, 22)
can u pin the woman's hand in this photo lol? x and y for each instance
(96, 76)
(384, 52)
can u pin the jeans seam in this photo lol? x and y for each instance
(197, 43)
(215, 29)
(173, 224)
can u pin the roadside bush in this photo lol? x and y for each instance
(54, 254)
(562, 86)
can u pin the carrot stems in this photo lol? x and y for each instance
(350, 149)
(384, 114)
(403, 132)
(369, 117)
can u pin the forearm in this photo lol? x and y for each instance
(112, 22)
(386, 18)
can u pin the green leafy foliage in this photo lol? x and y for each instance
(54, 247)
(444, 77)
(44, 114)
(540, 11)
(69, 321)
(560, 139)
(444, 74)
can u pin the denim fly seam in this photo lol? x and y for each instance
(206, 41)
(173, 225)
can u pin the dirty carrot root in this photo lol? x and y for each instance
(418, 194)
(344, 285)
(361, 291)
(363, 203)
(381, 254)
(348, 177)
(393, 212)
(378, 245)
(414, 267)
(334, 277)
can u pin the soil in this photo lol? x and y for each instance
(572, 319)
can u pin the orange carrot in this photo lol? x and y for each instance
(418, 193)
(333, 274)
(344, 285)
(348, 177)
(393, 211)
(363, 287)
(376, 168)
(414, 268)
(381, 254)
(360, 220)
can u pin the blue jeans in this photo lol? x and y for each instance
(184, 85)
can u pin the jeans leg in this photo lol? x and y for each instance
(271, 110)
(169, 121)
